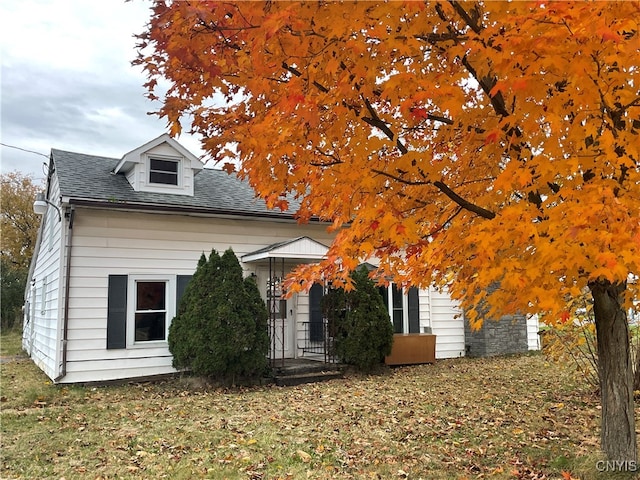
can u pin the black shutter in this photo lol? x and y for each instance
(181, 285)
(397, 309)
(316, 331)
(117, 312)
(414, 310)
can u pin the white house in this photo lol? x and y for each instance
(113, 229)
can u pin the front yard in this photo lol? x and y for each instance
(518, 417)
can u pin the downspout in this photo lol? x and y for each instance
(65, 314)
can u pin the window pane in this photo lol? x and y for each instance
(398, 313)
(164, 178)
(163, 171)
(385, 296)
(397, 297)
(163, 165)
(150, 296)
(398, 324)
(150, 326)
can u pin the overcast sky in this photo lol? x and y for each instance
(67, 81)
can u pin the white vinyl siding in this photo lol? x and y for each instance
(42, 337)
(128, 243)
(51, 218)
(533, 339)
(446, 321)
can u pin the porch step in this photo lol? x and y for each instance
(289, 380)
(299, 371)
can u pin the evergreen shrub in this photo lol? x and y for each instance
(363, 331)
(220, 330)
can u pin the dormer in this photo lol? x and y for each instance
(160, 166)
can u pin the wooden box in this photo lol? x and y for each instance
(412, 349)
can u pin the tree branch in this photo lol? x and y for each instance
(376, 121)
(470, 19)
(434, 38)
(487, 83)
(447, 222)
(400, 179)
(483, 212)
(335, 160)
(298, 73)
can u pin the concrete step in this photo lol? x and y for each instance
(289, 379)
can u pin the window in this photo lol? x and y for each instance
(150, 322)
(403, 308)
(140, 308)
(163, 171)
(149, 309)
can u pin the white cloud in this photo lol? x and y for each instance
(67, 80)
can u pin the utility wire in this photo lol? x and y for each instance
(24, 150)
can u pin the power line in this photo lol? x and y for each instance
(24, 150)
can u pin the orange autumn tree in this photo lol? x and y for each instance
(461, 144)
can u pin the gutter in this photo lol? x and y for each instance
(146, 207)
(67, 281)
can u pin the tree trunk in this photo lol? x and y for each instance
(618, 435)
(636, 372)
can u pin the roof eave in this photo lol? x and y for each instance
(176, 209)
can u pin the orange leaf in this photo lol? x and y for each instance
(229, 168)
(492, 137)
(498, 87)
(419, 113)
(609, 35)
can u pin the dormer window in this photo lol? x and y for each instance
(160, 166)
(163, 171)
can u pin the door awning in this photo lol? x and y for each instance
(301, 248)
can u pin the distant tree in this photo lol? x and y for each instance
(220, 330)
(19, 225)
(364, 334)
(12, 280)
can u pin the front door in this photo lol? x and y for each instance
(282, 328)
(281, 318)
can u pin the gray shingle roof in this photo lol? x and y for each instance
(88, 179)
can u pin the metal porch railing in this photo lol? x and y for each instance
(318, 338)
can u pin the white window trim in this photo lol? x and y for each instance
(153, 156)
(405, 306)
(170, 281)
(43, 297)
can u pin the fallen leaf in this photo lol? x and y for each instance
(304, 456)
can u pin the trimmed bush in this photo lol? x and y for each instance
(220, 330)
(364, 333)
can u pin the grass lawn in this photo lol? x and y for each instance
(501, 418)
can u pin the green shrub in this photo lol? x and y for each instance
(220, 330)
(364, 333)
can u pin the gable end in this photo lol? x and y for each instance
(160, 166)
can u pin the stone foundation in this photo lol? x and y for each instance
(505, 337)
